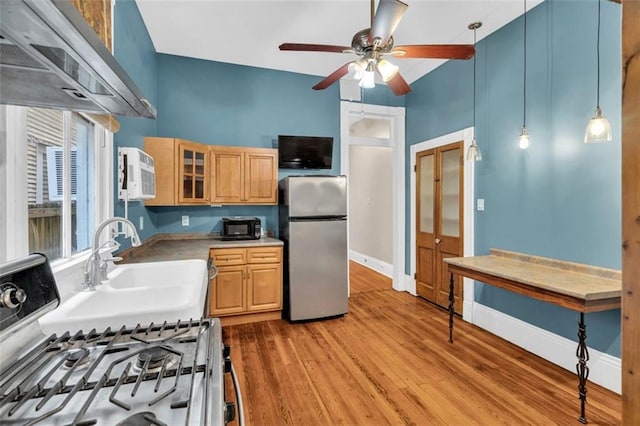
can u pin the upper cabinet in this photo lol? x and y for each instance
(233, 175)
(244, 175)
(193, 173)
(182, 171)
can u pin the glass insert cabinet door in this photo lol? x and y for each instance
(193, 173)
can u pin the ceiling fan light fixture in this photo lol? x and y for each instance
(355, 70)
(368, 77)
(387, 70)
(367, 80)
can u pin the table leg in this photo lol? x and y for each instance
(582, 369)
(451, 300)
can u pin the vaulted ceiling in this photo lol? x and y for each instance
(249, 32)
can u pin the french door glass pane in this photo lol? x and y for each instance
(427, 198)
(450, 180)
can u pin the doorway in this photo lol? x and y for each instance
(364, 125)
(464, 135)
(439, 229)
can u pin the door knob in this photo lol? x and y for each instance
(438, 241)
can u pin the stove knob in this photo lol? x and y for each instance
(12, 298)
(226, 351)
(227, 365)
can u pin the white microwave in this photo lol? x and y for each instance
(136, 175)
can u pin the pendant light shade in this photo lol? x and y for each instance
(524, 139)
(599, 128)
(473, 154)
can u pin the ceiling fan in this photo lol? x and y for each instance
(373, 44)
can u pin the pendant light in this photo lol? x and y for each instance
(599, 128)
(473, 154)
(524, 133)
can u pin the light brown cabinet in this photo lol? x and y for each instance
(244, 175)
(182, 171)
(249, 282)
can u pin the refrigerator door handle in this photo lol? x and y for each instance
(316, 218)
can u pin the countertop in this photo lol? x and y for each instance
(186, 246)
(583, 282)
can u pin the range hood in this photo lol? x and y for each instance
(50, 57)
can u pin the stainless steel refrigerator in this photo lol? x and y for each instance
(313, 226)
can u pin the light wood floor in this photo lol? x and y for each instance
(388, 362)
(362, 279)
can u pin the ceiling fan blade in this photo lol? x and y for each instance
(398, 85)
(435, 51)
(333, 77)
(386, 20)
(306, 47)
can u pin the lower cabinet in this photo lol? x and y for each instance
(249, 282)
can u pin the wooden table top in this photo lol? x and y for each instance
(583, 288)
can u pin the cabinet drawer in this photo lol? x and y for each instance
(232, 256)
(264, 255)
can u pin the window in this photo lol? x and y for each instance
(55, 163)
(61, 182)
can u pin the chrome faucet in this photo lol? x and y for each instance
(94, 271)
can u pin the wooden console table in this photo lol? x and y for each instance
(581, 288)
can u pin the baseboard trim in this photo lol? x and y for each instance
(384, 268)
(605, 370)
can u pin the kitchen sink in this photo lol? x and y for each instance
(156, 274)
(133, 294)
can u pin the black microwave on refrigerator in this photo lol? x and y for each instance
(241, 228)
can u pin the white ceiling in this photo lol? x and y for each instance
(249, 32)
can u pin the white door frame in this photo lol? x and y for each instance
(397, 143)
(465, 135)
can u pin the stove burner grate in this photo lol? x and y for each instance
(76, 358)
(154, 358)
(145, 418)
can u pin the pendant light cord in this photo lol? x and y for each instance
(598, 58)
(524, 85)
(474, 83)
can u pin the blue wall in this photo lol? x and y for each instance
(134, 51)
(223, 104)
(560, 198)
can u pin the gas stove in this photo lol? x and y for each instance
(155, 374)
